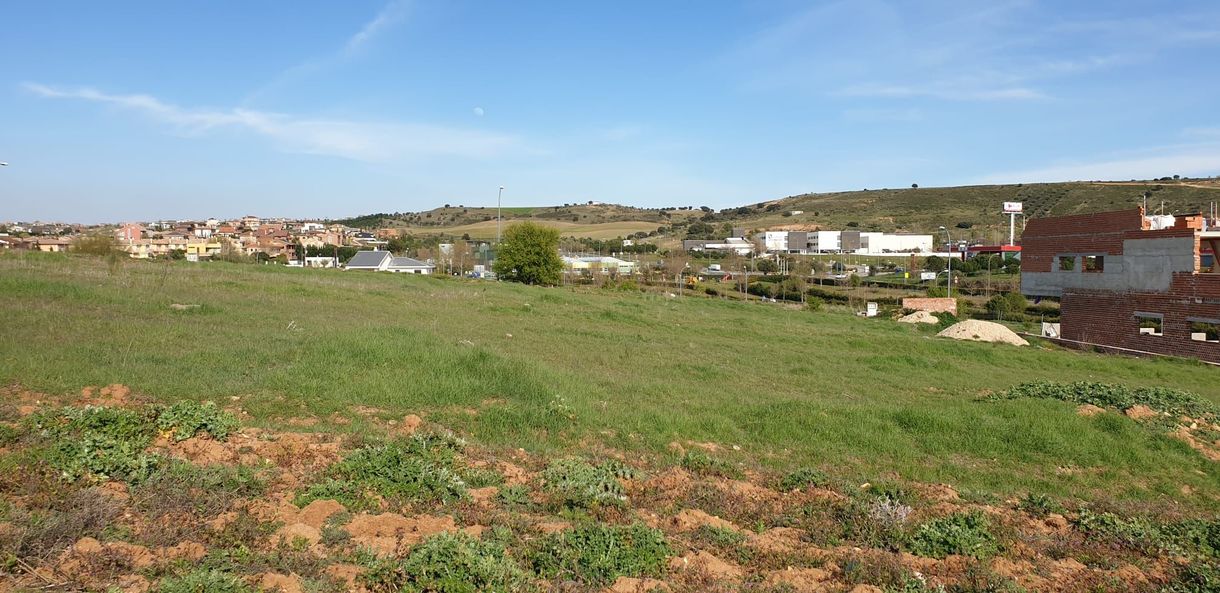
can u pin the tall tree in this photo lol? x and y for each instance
(529, 254)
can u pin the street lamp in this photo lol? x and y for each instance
(498, 196)
(949, 278)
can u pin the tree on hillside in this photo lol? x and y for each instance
(529, 254)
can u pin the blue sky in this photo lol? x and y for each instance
(151, 109)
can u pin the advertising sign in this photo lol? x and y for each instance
(1012, 207)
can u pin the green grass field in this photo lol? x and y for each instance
(577, 369)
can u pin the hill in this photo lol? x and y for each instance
(599, 437)
(970, 212)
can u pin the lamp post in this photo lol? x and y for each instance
(949, 277)
(498, 196)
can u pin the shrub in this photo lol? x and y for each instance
(701, 463)
(1196, 577)
(186, 418)
(480, 477)
(79, 513)
(875, 523)
(719, 536)
(516, 495)
(96, 442)
(421, 468)
(597, 553)
(965, 534)
(1007, 306)
(203, 581)
(813, 304)
(576, 483)
(1038, 505)
(805, 477)
(181, 487)
(353, 495)
(449, 563)
(1161, 399)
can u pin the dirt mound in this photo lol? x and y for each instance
(982, 331)
(690, 519)
(919, 317)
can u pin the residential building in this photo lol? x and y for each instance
(384, 261)
(1130, 281)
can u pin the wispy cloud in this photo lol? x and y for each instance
(941, 91)
(948, 50)
(357, 140)
(391, 14)
(1202, 132)
(1201, 159)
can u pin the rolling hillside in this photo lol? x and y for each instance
(972, 212)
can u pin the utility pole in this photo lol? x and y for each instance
(498, 196)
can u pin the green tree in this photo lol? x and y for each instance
(529, 254)
(1007, 306)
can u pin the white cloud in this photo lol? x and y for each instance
(479, 111)
(1202, 132)
(357, 140)
(942, 91)
(1192, 160)
(952, 50)
(391, 14)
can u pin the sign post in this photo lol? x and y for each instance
(1012, 209)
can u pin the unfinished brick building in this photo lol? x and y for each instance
(1126, 280)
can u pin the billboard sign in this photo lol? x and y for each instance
(927, 275)
(1012, 207)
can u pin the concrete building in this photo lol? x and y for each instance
(736, 245)
(1129, 281)
(599, 264)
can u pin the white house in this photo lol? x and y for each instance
(384, 261)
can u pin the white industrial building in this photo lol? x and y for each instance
(862, 242)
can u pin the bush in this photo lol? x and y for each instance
(813, 304)
(964, 534)
(1193, 538)
(95, 244)
(1039, 505)
(516, 495)
(1007, 306)
(1105, 395)
(186, 418)
(449, 563)
(203, 581)
(701, 463)
(805, 477)
(719, 536)
(577, 483)
(97, 442)
(421, 468)
(597, 553)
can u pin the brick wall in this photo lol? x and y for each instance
(931, 305)
(1108, 318)
(1101, 232)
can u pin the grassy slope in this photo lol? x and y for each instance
(487, 229)
(860, 398)
(924, 209)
